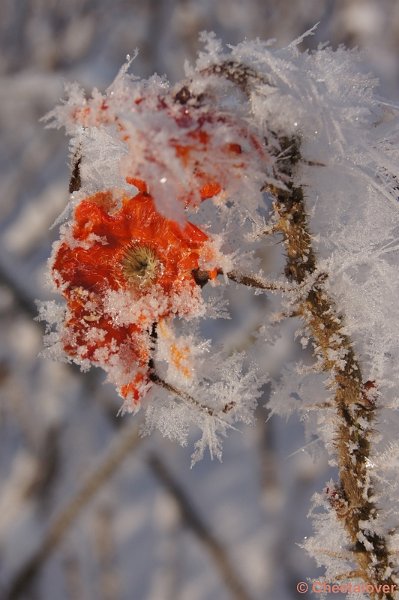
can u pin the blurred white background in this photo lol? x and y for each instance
(149, 528)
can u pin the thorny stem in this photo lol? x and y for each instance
(353, 499)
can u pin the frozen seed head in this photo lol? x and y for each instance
(140, 266)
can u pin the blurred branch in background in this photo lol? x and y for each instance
(125, 442)
(192, 519)
(104, 544)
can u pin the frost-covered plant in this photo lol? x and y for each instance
(175, 191)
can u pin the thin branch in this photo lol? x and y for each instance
(257, 282)
(184, 396)
(201, 278)
(180, 394)
(126, 442)
(189, 399)
(193, 519)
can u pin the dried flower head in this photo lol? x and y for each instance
(197, 149)
(122, 266)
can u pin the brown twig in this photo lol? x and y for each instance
(212, 412)
(201, 278)
(256, 282)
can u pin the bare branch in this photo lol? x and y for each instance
(202, 277)
(257, 282)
